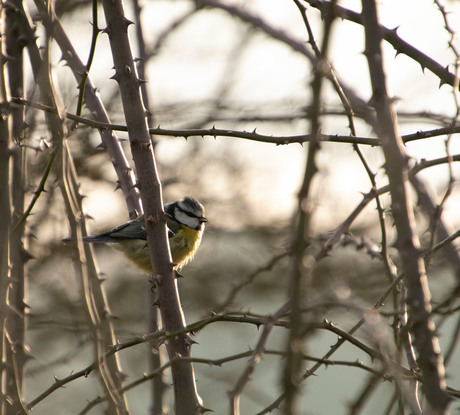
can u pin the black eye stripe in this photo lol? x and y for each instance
(189, 214)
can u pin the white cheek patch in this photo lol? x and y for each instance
(187, 220)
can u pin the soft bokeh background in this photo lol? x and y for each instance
(214, 70)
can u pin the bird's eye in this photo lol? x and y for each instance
(191, 214)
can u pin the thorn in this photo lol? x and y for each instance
(26, 256)
(158, 278)
(122, 376)
(189, 341)
(127, 23)
(97, 29)
(115, 77)
(136, 185)
(202, 410)
(107, 30)
(112, 317)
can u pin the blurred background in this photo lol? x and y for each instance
(206, 67)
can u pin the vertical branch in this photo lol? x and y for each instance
(141, 61)
(437, 225)
(5, 224)
(187, 401)
(93, 296)
(297, 284)
(16, 322)
(97, 307)
(12, 195)
(92, 51)
(157, 357)
(418, 294)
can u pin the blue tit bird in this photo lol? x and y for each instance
(185, 221)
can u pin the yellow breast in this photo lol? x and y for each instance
(183, 244)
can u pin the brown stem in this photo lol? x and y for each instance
(418, 294)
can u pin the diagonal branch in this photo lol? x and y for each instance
(109, 140)
(391, 36)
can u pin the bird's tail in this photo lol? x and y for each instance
(104, 239)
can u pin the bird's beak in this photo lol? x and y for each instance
(203, 219)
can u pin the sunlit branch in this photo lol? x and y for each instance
(250, 135)
(422, 328)
(436, 219)
(232, 317)
(391, 36)
(232, 358)
(92, 51)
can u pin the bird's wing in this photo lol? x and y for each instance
(134, 229)
(131, 230)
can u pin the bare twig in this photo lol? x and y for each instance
(254, 359)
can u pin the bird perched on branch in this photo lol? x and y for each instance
(185, 221)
